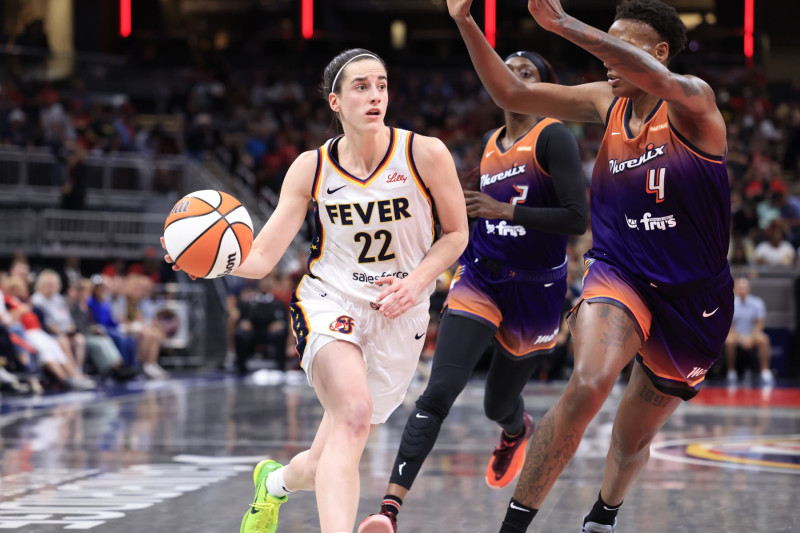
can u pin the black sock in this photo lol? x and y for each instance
(518, 517)
(392, 503)
(602, 513)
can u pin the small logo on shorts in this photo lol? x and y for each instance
(376, 307)
(706, 314)
(342, 324)
(418, 336)
(697, 372)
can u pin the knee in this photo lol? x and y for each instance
(627, 450)
(438, 399)
(354, 418)
(587, 393)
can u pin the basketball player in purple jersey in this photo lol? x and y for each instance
(509, 289)
(657, 284)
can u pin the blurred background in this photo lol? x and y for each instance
(112, 110)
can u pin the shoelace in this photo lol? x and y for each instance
(502, 453)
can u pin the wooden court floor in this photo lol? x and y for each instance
(177, 457)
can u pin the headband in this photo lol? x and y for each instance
(333, 85)
(536, 59)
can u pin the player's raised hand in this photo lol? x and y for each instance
(168, 259)
(548, 13)
(398, 296)
(459, 9)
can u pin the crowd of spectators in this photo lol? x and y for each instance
(62, 331)
(257, 120)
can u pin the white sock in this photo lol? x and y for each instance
(275, 484)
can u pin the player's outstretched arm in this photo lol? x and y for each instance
(438, 171)
(694, 97)
(580, 103)
(279, 231)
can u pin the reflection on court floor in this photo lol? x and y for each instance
(176, 457)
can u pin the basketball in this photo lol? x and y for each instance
(208, 233)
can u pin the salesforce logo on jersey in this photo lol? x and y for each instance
(369, 278)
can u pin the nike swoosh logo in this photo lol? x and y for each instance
(610, 508)
(400, 468)
(489, 153)
(548, 284)
(419, 336)
(253, 510)
(616, 133)
(331, 191)
(706, 314)
(324, 294)
(518, 508)
(421, 416)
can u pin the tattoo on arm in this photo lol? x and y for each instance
(550, 451)
(610, 50)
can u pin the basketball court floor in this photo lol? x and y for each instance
(177, 456)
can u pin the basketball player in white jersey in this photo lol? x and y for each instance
(360, 317)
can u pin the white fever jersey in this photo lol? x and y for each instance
(367, 229)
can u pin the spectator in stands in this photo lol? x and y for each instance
(17, 131)
(101, 350)
(73, 191)
(100, 309)
(776, 251)
(49, 353)
(747, 332)
(136, 323)
(263, 325)
(47, 298)
(788, 206)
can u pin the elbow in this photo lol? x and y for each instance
(579, 223)
(461, 243)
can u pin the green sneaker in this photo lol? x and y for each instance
(262, 517)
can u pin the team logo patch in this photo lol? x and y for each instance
(343, 324)
(770, 454)
(374, 306)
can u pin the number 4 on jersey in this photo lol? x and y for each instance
(655, 183)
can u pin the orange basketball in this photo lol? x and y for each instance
(208, 233)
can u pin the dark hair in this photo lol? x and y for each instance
(546, 72)
(661, 17)
(338, 63)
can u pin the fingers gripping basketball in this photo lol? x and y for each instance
(208, 233)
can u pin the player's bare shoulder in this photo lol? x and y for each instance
(301, 174)
(431, 157)
(696, 115)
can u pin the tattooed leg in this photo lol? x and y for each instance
(605, 341)
(642, 412)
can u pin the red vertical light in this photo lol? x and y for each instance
(307, 19)
(125, 18)
(490, 22)
(749, 17)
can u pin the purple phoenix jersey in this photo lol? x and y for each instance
(514, 176)
(661, 207)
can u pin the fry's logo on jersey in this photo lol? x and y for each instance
(516, 170)
(503, 229)
(662, 223)
(652, 152)
(343, 324)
